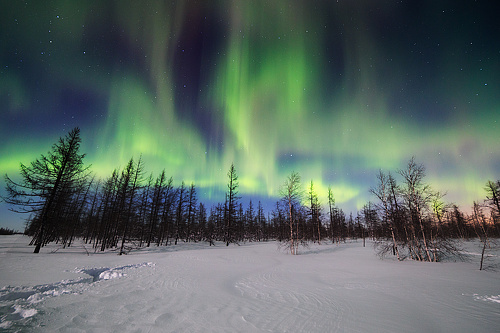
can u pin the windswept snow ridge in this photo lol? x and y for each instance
(491, 298)
(19, 302)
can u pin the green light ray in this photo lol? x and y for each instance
(137, 125)
(262, 90)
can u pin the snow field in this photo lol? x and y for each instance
(254, 287)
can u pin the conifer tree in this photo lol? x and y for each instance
(231, 204)
(48, 185)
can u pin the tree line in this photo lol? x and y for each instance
(131, 209)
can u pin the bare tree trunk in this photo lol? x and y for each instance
(395, 247)
(319, 230)
(482, 252)
(39, 240)
(424, 240)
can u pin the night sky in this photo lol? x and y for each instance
(335, 90)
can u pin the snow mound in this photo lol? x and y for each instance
(488, 298)
(106, 273)
(24, 313)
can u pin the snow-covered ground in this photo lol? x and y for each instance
(254, 287)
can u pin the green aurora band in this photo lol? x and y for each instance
(284, 86)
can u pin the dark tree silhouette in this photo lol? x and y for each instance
(261, 223)
(179, 215)
(412, 217)
(331, 205)
(231, 204)
(133, 175)
(493, 201)
(291, 196)
(384, 191)
(192, 202)
(156, 206)
(314, 213)
(48, 186)
(168, 209)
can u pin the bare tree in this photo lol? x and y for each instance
(417, 195)
(383, 192)
(410, 212)
(481, 229)
(291, 195)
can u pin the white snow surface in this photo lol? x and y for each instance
(252, 287)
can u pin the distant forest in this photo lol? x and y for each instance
(130, 210)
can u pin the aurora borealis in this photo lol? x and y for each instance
(335, 90)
